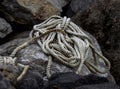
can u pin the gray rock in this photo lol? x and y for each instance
(16, 13)
(43, 9)
(112, 43)
(101, 18)
(32, 80)
(92, 17)
(5, 83)
(83, 5)
(74, 81)
(29, 11)
(7, 48)
(100, 86)
(33, 56)
(5, 28)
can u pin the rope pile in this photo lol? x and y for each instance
(65, 42)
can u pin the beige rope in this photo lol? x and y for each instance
(70, 48)
(64, 42)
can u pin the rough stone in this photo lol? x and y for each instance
(102, 19)
(33, 56)
(29, 11)
(5, 83)
(99, 86)
(5, 28)
(112, 43)
(7, 48)
(93, 17)
(72, 81)
(43, 8)
(83, 5)
(16, 13)
(32, 80)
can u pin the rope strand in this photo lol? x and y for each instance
(65, 42)
(71, 47)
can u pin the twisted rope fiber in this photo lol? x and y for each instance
(65, 42)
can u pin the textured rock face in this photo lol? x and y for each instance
(30, 11)
(33, 56)
(112, 44)
(14, 12)
(83, 5)
(73, 81)
(102, 19)
(5, 28)
(4, 83)
(32, 80)
(92, 17)
(99, 86)
(42, 8)
(99, 17)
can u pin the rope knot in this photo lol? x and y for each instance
(67, 43)
(64, 24)
(7, 60)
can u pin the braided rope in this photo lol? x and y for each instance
(65, 42)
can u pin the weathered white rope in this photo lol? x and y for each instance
(65, 42)
(70, 48)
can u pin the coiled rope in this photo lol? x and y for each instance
(65, 42)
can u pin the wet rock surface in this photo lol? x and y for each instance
(5, 28)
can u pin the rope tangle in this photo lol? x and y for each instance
(70, 46)
(65, 42)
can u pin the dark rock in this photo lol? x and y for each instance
(14, 12)
(44, 8)
(92, 18)
(5, 28)
(102, 19)
(83, 5)
(7, 48)
(72, 81)
(33, 56)
(99, 86)
(4, 83)
(28, 11)
(111, 45)
(32, 80)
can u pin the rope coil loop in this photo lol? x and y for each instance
(70, 46)
(65, 42)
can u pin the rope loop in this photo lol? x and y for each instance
(65, 42)
(71, 47)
